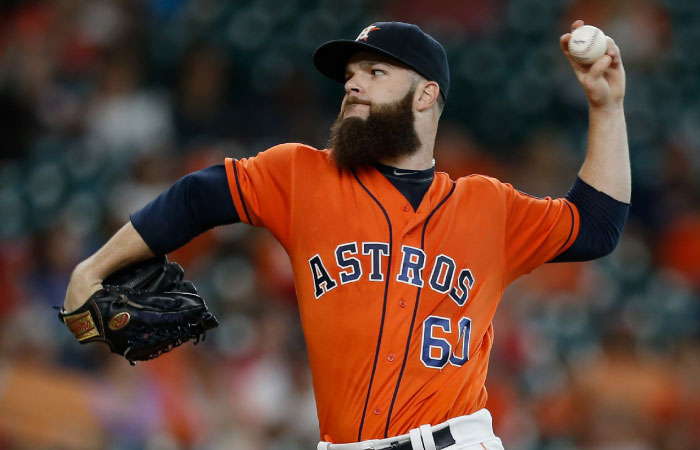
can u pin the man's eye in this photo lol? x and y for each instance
(376, 72)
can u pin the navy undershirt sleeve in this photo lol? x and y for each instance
(194, 204)
(601, 221)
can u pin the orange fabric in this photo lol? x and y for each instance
(389, 296)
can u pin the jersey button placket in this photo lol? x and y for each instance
(402, 303)
(377, 411)
(406, 207)
(391, 357)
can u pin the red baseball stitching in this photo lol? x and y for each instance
(588, 47)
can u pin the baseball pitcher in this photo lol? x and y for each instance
(398, 268)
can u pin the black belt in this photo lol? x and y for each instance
(443, 439)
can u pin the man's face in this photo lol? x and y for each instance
(376, 119)
(373, 79)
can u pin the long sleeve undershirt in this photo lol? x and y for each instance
(202, 200)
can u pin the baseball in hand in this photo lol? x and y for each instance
(587, 44)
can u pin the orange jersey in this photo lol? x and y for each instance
(396, 304)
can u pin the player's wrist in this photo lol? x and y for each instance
(610, 107)
(83, 283)
(86, 273)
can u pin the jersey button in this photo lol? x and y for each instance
(390, 357)
(402, 303)
(406, 207)
(377, 411)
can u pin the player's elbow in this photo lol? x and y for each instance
(595, 240)
(606, 243)
(602, 219)
(603, 233)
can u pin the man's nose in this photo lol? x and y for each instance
(352, 86)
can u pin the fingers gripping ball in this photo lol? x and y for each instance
(587, 44)
(142, 311)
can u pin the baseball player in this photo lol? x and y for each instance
(398, 268)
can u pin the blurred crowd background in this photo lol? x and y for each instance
(105, 103)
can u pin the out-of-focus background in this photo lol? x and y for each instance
(103, 104)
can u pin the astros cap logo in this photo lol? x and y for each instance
(365, 33)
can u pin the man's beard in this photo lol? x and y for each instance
(387, 132)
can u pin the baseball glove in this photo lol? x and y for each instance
(142, 311)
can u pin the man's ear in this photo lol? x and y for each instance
(428, 95)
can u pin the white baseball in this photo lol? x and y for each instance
(587, 44)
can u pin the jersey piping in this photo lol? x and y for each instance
(571, 230)
(238, 185)
(231, 168)
(386, 293)
(415, 312)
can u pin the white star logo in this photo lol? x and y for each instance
(365, 33)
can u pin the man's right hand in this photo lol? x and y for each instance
(81, 286)
(124, 248)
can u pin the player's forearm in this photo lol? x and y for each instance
(124, 248)
(607, 163)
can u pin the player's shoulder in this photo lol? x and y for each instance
(296, 147)
(481, 185)
(290, 147)
(297, 151)
(290, 155)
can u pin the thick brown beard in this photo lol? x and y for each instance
(388, 131)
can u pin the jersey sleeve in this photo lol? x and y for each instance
(261, 188)
(536, 230)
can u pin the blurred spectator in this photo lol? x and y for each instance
(126, 120)
(468, 17)
(17, 126)
(203, 115)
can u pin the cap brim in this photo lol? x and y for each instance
(331, 58)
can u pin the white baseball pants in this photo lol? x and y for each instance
(471, 432)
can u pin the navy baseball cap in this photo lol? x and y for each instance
(404, 42)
